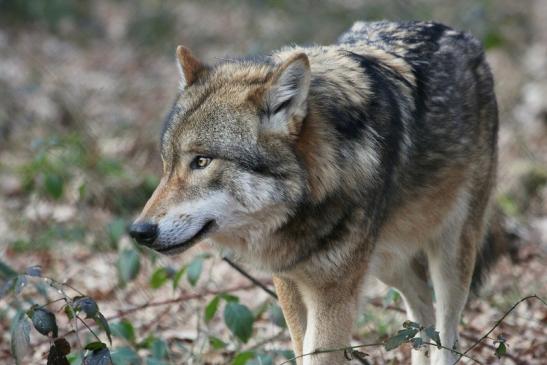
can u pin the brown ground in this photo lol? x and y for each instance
(93, 84)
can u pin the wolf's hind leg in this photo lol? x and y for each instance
(451, 264)
(409, 277)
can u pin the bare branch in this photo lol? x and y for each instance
(498, 322)
(250, 277)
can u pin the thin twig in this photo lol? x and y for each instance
(465, 335)
(454, 351)
(266, 340)
(397, 309)
(498, 322)
(178, 299)
(508, 355)
(192, 296)
(324, 351)
(73, 288)
(89, 328)
(250, 277)
(51, 302)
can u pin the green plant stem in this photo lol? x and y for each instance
(51, 302)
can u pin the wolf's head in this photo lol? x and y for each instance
(228, 151)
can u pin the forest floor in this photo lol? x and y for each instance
(81, 104)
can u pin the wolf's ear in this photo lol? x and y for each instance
(189, 67)
(286, 95)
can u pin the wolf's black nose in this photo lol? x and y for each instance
(144, 233)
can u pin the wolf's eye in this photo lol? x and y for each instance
(200, 162)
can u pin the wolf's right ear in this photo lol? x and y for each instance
(286, 96)
(189, 67)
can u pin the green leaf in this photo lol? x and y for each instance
(124, 329)
(229, 297)
(159, 349)
(154, 361)
(82, 191)
(75, 358)
(416, 342)
(128, 265)
(146, 343)
(20, 282)
(158, 278)
(410, 324)
(6, 271)
(194, 270)
(261, 359)
(116, 230)
(276, 316)
(242, 358)
(69, 312)
(391, 297)
(98, 357)
(44, 321)
(94, 346)
(178, 275)
(125, 356)
(493, 39)
(103, 323)
(211, 308)
(54, 185)
(108, 166)
(216, 343)
(6, 287)
(401, 337)
(239, 319)
(87, 305)
(501, 349)
(508, 205)
(20, 337)
(394, 342)
(433, 335)
(287, 354)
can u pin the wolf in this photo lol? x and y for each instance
(327, 165)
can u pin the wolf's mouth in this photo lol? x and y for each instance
(189, 242)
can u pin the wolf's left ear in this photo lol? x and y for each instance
(189, 67)
(286, 95)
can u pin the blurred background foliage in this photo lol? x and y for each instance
(84, 86)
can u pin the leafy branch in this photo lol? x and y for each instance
(498, 322)
(404, 337)
(238, 318)
(408, 335)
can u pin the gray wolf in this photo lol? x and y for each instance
(372, 157)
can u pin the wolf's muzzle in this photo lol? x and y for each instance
(144, 233)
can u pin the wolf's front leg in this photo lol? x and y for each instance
(294, 312)
(331, 312)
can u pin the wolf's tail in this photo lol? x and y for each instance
(497, 242)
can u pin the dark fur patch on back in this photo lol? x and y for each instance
(383, 112)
